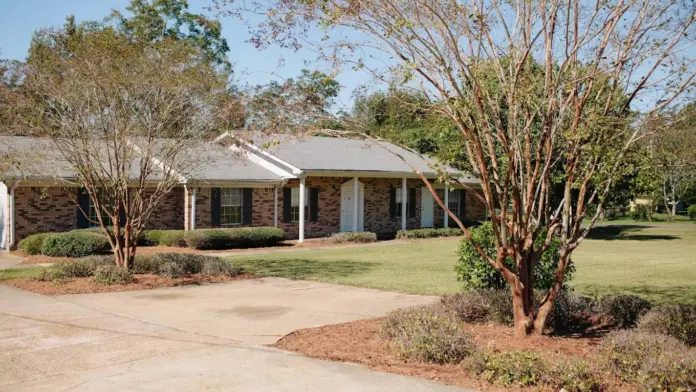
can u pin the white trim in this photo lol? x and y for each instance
(275, 207)
(302, 210)
(404, 203)
(11, 215)
(193, 209)
(255, 158)
(5, 205)
(356, 188)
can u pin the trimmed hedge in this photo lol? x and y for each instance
(352, 237)
(75, 244)
(163, 238)
(243, 237)
(429, 233)
(32, 244)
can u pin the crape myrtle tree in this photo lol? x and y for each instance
(546, 96)
(123, 115)
(672, 154)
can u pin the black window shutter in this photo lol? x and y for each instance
(411, 202)
(215, 207)
(392, 202)
(83, 203)
(247, 200)
(287, 204)
(313, 204)
(462, 203)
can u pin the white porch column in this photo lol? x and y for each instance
(275, 207)
(302, 207)
(193, 209)
(404, 201)
(446, 224)
(355, 203)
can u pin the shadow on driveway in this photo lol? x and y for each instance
(300, 268)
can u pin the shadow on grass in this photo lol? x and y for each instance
(306, 269)
(683, 294)
(626, 232)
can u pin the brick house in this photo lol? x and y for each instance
(346, 185)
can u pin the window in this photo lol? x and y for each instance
(231, 206)
(92, 212)
(453, 201)
(295, 204)
(398, 202)
(411, 200)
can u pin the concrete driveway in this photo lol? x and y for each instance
(187, 338)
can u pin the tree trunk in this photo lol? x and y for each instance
(522, 311)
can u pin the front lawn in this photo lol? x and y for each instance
(657, 263)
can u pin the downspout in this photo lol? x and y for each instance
(11, 216)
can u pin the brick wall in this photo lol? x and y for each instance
(40, 210)
(169, 214)
(475, 210)
(43, 210)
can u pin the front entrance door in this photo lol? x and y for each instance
(427, 206)
(347, 205)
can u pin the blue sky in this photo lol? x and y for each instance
(19, 19)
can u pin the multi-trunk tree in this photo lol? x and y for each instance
(546, 96)
(124, 114)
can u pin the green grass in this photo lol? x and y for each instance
(657, 263)
(17, 273)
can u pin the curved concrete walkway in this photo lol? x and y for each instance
(187, 339)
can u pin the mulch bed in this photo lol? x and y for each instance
(140, 282)
(359, 342)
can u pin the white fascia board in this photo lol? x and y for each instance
(274, 160)
(265, 160)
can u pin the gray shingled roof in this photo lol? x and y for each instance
(335, 154)
(36, 158)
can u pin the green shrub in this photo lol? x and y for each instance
(480, 306)
(477, 273)
(529, 369)
(691, 211)
(171, 270)
(175, 265)
(520, 368)
(653, 361)
(215, 266)
(427, 334)
(640, 212)
(80, 268)
(32, 244)
(111, 274)
(243, 237)
(623, 310)
(352, 237)
(163, 238)
(571, 311)
(677, 321)
(75, 244)
(146, 264)
(429, 233)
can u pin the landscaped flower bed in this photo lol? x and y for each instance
(464, 340)
(100, 274)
